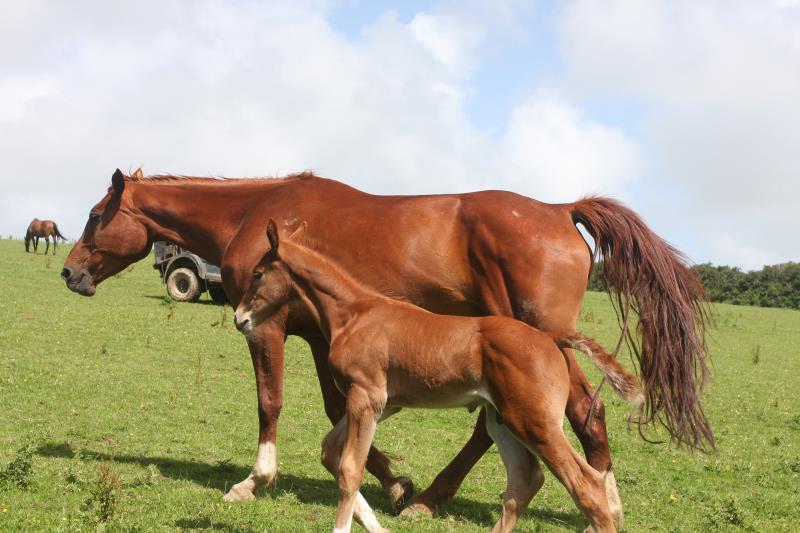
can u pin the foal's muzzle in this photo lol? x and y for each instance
(245, 325)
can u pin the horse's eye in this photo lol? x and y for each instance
(94, 218)
(257, 274)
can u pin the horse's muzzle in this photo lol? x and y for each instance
(78, 281)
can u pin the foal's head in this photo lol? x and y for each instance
(112, 239)
(270, 287)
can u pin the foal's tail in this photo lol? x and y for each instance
(58, 233)
(649, 279)
(623, 382)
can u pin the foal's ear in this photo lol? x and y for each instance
(272, 236)
(138, 173)
(118, 182)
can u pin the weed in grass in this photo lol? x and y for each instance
(590, 317)
(104, 350)
(724, 514)
(104, 495)
(198, 372)
(169, 303)
(18, 472)
(223, 317)
(794, 423)
(755, 352)
(775, 441)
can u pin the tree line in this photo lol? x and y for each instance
(772, 286)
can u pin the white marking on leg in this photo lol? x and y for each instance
(263, 473)
(614, 502)
(366, 516)
(266, 466)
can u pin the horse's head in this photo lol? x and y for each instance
(270, 287)
(112, 239)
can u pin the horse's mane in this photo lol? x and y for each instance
(173, 178)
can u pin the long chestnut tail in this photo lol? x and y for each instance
(646, 275)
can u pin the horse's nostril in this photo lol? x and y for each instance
(66, 273)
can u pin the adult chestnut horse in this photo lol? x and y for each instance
(42, 228)
(387, 355)
(484, 253)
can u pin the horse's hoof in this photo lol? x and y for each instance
(239, 494)
(400, 492)
(418, 509)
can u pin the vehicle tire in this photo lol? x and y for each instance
(183, 285)
(218, 295)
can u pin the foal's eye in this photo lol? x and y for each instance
(257, 274)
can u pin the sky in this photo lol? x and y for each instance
(688, 111)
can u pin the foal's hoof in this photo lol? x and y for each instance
(239, 494)
(399, 492)
(418, 509)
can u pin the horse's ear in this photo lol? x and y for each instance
(118, 182)
(272, 236)
(299, 232)
(138, 173)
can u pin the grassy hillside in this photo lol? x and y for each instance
(131, 407)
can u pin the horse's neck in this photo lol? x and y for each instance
(324, 286)
(201, 218)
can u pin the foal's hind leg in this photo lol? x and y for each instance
(524, 476)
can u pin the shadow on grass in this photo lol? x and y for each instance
(308, 490)
(207, 524)
(197, 302)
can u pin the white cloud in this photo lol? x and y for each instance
(253, 88)
(719, 82)
(450, 41)
(553, 151)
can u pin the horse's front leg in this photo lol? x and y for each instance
(267, 352)
(46, 245)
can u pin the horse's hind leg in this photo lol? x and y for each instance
(47, 245)
(524, 476)
(446, 483)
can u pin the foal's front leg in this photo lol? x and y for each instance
(332, 446)
(363, 408)
(397, 488)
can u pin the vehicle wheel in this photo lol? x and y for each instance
(218, 295)
(183, 285)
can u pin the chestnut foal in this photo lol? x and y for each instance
(386, 355)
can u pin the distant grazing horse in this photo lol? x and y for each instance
(386, 355)
(483, 253)
(42, 228)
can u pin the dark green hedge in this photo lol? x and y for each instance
(772, 286)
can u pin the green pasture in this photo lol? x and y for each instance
(128, 412)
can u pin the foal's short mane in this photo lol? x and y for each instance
(172, 178)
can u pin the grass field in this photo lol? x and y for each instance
(127, 412)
